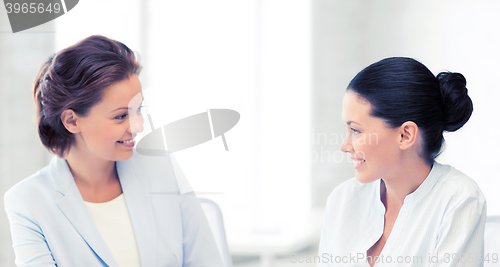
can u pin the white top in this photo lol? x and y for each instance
(113, 221)
(445, 215)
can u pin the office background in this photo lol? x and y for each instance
(283, 65)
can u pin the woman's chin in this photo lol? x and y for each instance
(124, 155)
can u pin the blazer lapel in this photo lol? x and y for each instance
(73, 207)
(137, 196)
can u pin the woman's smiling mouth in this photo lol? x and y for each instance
(358, 162)
(127, 143)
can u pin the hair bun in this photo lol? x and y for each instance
(457, 103)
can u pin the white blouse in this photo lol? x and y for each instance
(113, 221)
(440, 224)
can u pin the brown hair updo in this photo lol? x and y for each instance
(75, 79)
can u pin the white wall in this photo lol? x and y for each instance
(21, 152)
(253, 57)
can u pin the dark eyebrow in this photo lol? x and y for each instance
(349, 123)
(118, 109)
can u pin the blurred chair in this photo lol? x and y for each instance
(492, 241)
(214, 217)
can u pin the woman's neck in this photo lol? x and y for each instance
(91, 172)
(404, 181)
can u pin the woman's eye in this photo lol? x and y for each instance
(139, 110)
(355, 131)
(121, 117)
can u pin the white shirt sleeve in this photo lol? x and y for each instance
(29, 242)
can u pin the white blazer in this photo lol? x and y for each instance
(51, 226)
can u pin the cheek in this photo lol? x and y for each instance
(105, 133)
(363, 143)
(386, 150)
(371, 146)
(362, 148)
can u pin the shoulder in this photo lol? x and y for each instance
(458, 202)
(457, 193)
(31, 196)
(38, 183)
(456, 184)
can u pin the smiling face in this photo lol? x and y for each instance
(107, 131)
(373, 146)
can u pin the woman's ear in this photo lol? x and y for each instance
(408, 133)
(70, 121)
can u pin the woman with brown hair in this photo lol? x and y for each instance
(98, 203)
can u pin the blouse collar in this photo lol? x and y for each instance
(427, 184)
(437, 171)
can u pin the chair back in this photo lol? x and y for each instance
(216, 222)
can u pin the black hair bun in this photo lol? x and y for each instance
(457, 103)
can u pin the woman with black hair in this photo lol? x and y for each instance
(98, 203)
(403, 208)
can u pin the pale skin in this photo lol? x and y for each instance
(390, 154)
(92, 159)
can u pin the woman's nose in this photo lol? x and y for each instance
(346, 145)
(136, 123)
